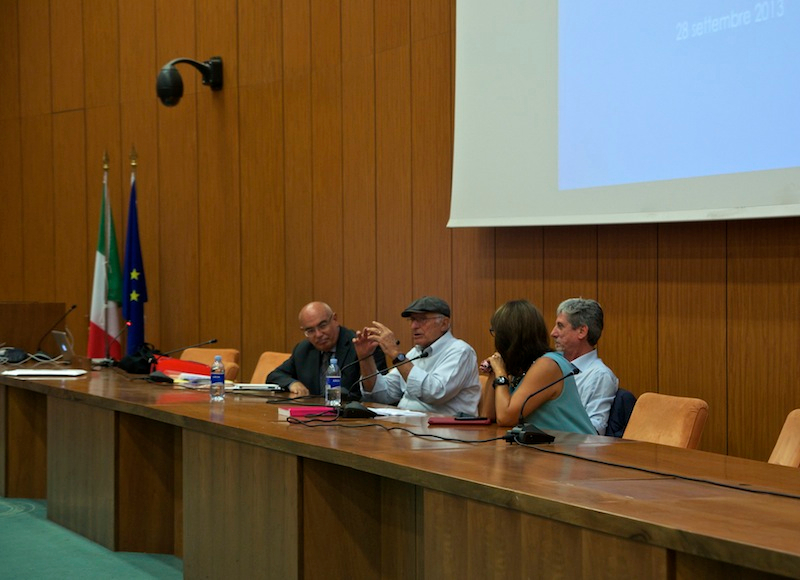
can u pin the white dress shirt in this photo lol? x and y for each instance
(597, 385)
(446, 381)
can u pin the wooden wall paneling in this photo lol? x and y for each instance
(139, 120)
(37, 208)
(137, 57)
(297, 164)
(326, 160)
(519, 265)
(219, 191)
(473, 300)
(763, 306)
(430, 18)
(179, 223)
(628, 292)
(12, 240)
(35, 94)
(71, 224)
(67, 56)
(260, 36)
(360, 247)
(570, 266)
(392, 24)
(139, 117)
(393, 161)
(9, 62)
(179, 226)
(692, 333)
(261, 162)
(101, 52)
(263, 278)
(431, 154)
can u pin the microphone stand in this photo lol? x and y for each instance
(211, 341)
(108, 361)
(529, 434)
(49, 330)
(424, 354)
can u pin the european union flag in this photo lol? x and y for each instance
(133, 283)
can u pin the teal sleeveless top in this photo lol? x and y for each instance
(566, 413)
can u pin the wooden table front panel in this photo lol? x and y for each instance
(24, 468)
(80, 465)
(242, 510)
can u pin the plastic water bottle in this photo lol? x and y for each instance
(217, 380)
(333, 384)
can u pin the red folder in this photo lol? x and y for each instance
(176, 366)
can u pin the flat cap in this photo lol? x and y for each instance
(428, 304)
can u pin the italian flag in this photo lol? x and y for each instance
(104, 323)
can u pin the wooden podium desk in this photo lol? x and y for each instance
(238, 492)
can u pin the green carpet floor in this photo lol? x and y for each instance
(32, 547)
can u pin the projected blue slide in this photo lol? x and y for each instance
(649, 91)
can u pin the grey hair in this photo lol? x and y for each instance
(584, 312)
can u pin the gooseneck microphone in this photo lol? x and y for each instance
(528, 434)
(211, 341)
(359, 360)
(423, 354)
(108, 361)
(49, 330)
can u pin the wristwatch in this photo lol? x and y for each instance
(399, 359)
(499, 381)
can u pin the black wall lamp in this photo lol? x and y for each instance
(169, 85)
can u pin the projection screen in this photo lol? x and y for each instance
(623, 111)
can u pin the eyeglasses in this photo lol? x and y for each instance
(491, 331)
(321, 327)
(422, 319)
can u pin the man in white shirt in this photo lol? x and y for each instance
(579, 324)
(441, 372)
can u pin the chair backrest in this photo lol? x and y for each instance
(267, 363)
(787, 447)
(230, 356)
(668, 420)
(620, 413)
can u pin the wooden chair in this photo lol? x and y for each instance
(266, 364)
(668, 420)
(230, 356)
(787, 447)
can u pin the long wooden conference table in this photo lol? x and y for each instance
(239, 492)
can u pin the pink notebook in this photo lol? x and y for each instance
(305, 411)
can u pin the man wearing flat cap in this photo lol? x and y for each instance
(438, 375)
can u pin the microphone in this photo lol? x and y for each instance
(49, 330)
(211, 341)
(108, 361)
(528, 434)
(423, 354)
(358, 361)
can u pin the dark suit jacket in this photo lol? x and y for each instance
(304, 366)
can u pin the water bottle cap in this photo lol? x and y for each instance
(334, 360)
(218, 357)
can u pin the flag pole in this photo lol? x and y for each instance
(107, 220)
